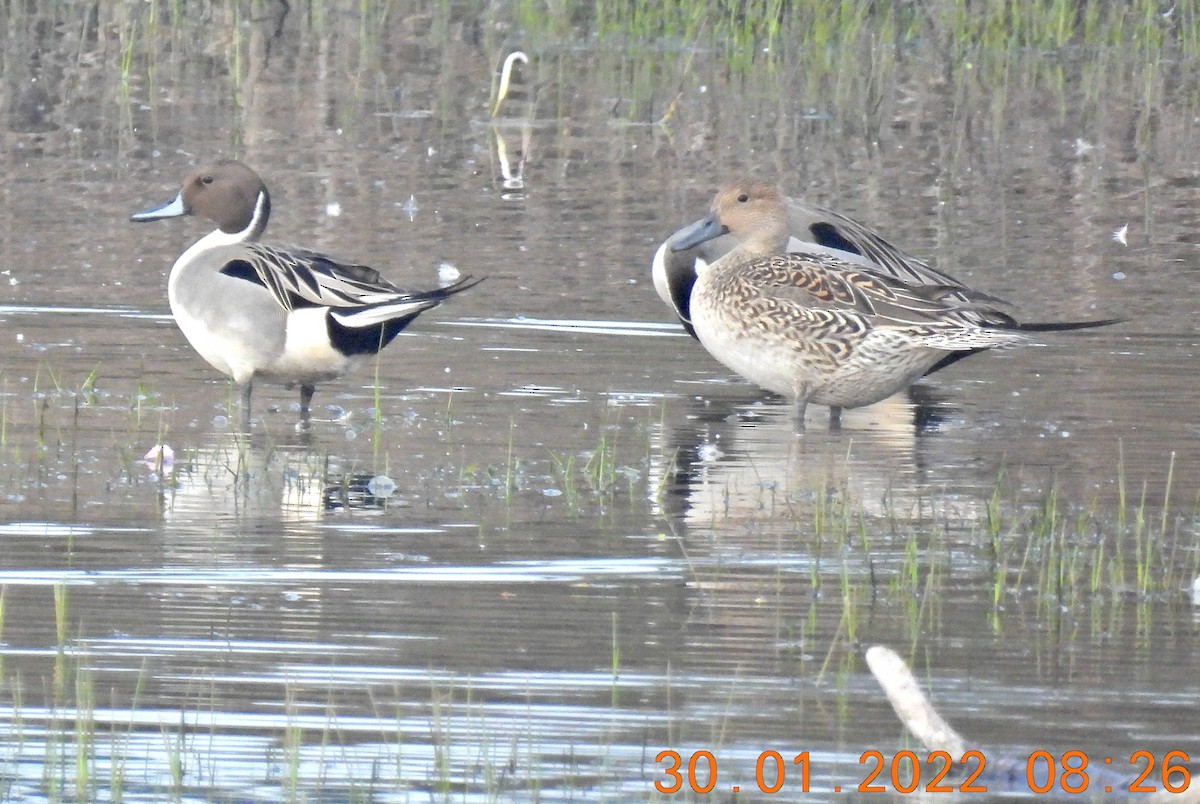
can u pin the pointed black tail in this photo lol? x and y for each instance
(1062, 326)
(466, 283)
(1051, 326)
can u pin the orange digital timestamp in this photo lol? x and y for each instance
(909, 773)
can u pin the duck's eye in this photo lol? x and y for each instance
(206, 179)
(743, 198)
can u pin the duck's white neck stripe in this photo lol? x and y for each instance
(258, 223)
(217, 237)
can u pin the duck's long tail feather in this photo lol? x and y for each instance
(1063, 326)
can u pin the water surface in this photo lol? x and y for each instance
(600, 544)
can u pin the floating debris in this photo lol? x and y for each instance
(506, 73)
(410, 207)
(447, 272)
(381, 486)
(160, 458)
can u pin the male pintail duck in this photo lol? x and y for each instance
(822, 324)
(283, 315)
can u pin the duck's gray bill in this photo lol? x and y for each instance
(173, 209)
(696, 233)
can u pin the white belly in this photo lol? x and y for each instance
(860, 371)
(308, 356)
(241, 331)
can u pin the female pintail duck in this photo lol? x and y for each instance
(255, 312)
(817, 326)
(812, 229)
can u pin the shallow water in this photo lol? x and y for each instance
(600, 545)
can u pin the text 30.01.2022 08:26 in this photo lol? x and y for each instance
(1044, 772)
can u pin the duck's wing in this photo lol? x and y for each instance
(828, 285)
(302, 278)
(358, 296)
(841, 235)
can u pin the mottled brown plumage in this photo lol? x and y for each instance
(811, 229)
(816, 327)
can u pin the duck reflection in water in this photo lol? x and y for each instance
(733, 462)
(233, 475)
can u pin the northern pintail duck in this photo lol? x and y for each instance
(287, 315)
(812, 229)
(817, 323)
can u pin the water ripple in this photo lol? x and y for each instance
(565, 571)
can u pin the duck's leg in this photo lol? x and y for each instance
(800, 405)
(798, 409)
(835, 417)
(244, 389)
(306, 395)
